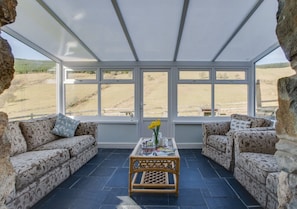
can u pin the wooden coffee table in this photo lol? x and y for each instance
(155, 172)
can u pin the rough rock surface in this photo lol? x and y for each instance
(286, 29)
(7, 176)
(286, 127)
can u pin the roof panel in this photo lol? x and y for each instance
(153, 26)
(86, 30)
(255, 36)
(37, 26)
(97, 26)
(208, 25)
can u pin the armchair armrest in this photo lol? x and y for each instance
(255, 141)
(87, 128)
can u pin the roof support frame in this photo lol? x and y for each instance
(124, 27)
(55, 16)
(266, 52)
(181, 28)
(249, 15)
(29, 43)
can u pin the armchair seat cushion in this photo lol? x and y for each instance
(217, 141)
(258, 165)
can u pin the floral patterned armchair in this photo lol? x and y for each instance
(218, 140)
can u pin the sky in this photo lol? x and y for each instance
(22, 51)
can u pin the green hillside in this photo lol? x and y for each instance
(28, 66)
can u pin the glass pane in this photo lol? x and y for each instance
(81, 99)
(230, 75)
(32, 92)
(97, 25)
(267, 75)
(81, 75)
(117, 74)
(156, 22)
(231, 99)
(117, 100)
(206, 30)
(39, 27)
(194, 75)
(258, 34)
(196, 103)
(155, 94)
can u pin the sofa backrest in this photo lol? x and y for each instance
(13, 134)
(38, 131)
(255, 121)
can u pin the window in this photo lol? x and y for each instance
(89, 74)
(81, 99)
(230, 98)
(195, 103)
(230, 75)
(117, 92)
(33, 90)
(199, 94)
(268, 71)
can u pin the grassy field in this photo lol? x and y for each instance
(35, 92)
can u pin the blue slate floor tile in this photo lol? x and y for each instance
(103, 184)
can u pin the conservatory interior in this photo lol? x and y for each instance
(125, 63)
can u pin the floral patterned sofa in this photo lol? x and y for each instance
(218, 139)
(42, 160)
(255, 165)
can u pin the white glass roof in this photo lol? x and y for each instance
(147, 30)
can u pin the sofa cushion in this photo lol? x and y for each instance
(255, 121)
(30, 166)
(65, 126)
(258, 165)
(14, 135)
(87, 128)
(38, 131)
(239, 124)
(75, 144)
(217, 141)
(272, 182)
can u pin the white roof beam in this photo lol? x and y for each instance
(124, 27)
(181, 27)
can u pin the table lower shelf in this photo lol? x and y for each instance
(153, 182)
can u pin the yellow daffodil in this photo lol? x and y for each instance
(155, 126)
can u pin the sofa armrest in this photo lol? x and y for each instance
(255, 141)
(87, 128)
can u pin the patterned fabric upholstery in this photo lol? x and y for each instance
(38, 131)
(217, 141)
(48, 159)
(218, 138)
(258, 165)
(13, 134)
(255, 122)
(255, 165)
(87, 128)
(239, 124)
(30, 166)
(75, 145)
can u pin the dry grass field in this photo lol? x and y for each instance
(35, 93)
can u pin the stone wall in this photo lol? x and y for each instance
(7, 178)
(286, 127)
